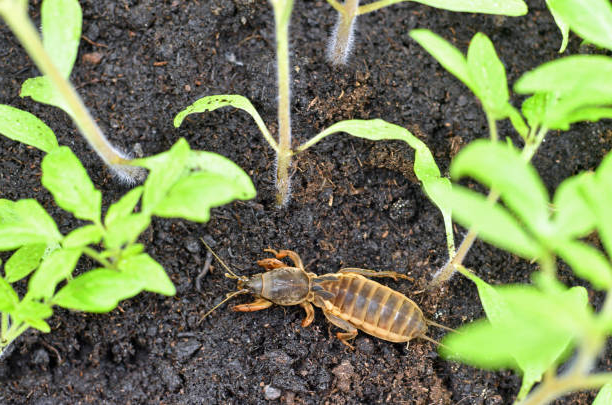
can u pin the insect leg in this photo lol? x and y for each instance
(350, 333)
(309, 313)
(256, 305)
(295, 258)
(373, 273)
(271, 263)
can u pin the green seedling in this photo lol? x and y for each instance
(425, 167)
(564, 91)
(533, 328)
(181, 184)
(342, 40)
(54, 55)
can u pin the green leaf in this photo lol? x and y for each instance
(574, 83)
(126, 230)
(23, 262)
(566, 74)
(165, 169)
(124, 207)
(480, 344)
(512, 8)
(586, 262)
(55, 268)
(41, 89)
(534, 109)
(591, 19)
(24, 127)
(492, 222)
(563, 27)
(65, 177)
(446, 54)
(149, 272)
(97, 290)
(517, 121)
(573, 217)
(216, 164)
(33, 314)
(61, 31)
(604, 397)
(597, 190)
(518, 334)
(25, 222)
(425, 167)
(193, 196)
(523, 192)
(83, 236)
(8, 296)
(488, 76)
(211, 103)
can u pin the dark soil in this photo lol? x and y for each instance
(355, 203)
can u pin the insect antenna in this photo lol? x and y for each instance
(230, 273)
(227, 298)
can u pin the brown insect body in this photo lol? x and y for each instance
(349, 299)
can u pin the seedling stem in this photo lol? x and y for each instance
(15, 15)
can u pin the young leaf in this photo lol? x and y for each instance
(573, 217)
(30, 309)
(126, 230)
(149, 272)
(124, 207)
(55, 268)
(211, 103)
(165, 169)
(488, 76)
(193, 196)
(523, 191)
(586, 262)
(493, 223)
(65, 177)
(61, 31)
(83, 236)
(517, 120)
(214, 163)
(8, 296)
(513, 8)
(97, 290)
(563, 27)
(534, 108)
(597, 191)
(446, 54)
(41, 90)
(425, 167)
(25, 222)
(23, 262)
(604, 397)
(591, 19)
(26, 128)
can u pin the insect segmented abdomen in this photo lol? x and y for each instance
(375, 308)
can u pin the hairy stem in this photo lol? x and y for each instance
(377, 5)
(282, 11)
(14, 331)
(19, 22)
(341, 40)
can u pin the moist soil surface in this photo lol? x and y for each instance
(355, 203)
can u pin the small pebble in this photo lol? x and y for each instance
(271, 393)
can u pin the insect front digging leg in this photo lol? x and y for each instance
(271, 263)
(256, 305)
(309, 313)
(295, 258)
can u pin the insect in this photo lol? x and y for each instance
(348, 298)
